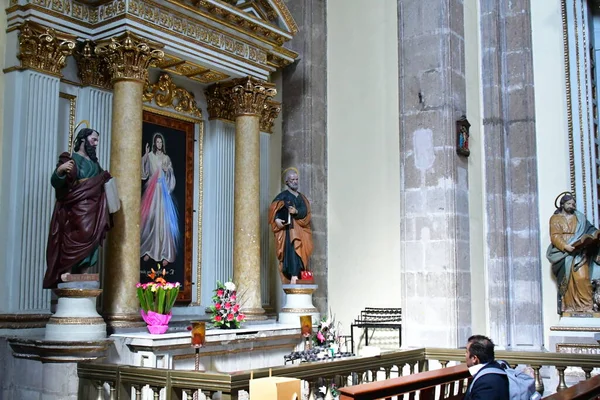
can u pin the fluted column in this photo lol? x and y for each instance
(28, 155)
(248, 97)
(128, 57)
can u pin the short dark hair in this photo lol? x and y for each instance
(482, 347)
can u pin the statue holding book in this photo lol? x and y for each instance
(574, 254)
(289, 216)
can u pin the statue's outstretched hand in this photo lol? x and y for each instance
(65, 168)
(569, 248)
(279, 223)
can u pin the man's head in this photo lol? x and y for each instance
(158, 143)
(291, 180)
(89, 138)
(480, 350)
(567, 204)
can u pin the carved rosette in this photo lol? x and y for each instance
(43, 48)
(91, 68)
(249, 96)
(268, 116)
(129, 56)
(167, 94)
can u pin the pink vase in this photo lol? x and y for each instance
(157, 323)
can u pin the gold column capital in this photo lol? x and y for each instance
(91, 68)
(43, 48)
(269, 114)
(249, 96)
(129, 56)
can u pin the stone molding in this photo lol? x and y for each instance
(129, 56)
(245, 96)
(44, 49)
(167, 94)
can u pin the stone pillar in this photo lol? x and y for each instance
(436, 278)
(128, 57)
(248, 97)
(304, 141)
(511, 188)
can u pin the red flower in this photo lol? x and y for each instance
(240, 317)
(227, 305)
(229, 317)
(220, 292)
(218, 318)
(236, 308)
(218, 306)
(233, 297)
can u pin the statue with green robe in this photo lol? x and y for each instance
(81, 218)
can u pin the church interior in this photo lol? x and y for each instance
(431, 167)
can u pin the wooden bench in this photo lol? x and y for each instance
(371, 317)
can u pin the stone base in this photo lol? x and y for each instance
(575, 335)
(76, 318)
(298, 302)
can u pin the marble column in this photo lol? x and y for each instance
(128, 57)
(248, 97)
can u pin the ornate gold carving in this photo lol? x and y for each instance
(190, 28)
(91, 68)
(44, 49)
(242, 97)
(218, 101)
(299, 291)
(268, 116)
(72, 104)
(166, 94)
(76, 321)
(249, 96)
(210, 77)
(129, 56)
(79, 293)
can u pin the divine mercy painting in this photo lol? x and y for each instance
(166, 204)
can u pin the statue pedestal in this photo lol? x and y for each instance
(575, 335)
(76, 318)
(298, 301)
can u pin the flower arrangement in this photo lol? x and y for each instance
(226, 309)
(159, 295)
(326, 333)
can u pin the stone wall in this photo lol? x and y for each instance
(304, 141)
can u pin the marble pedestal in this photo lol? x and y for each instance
(298, 301)
(76, 317)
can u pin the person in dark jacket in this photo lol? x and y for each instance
(485, 385)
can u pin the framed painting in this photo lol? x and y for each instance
(167, 199)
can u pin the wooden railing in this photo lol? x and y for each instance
(108, 381)
(586, 390)
(446, 383)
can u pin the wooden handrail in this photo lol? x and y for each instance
(584, 390)
(404, 384)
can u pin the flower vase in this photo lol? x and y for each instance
(157, 323)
